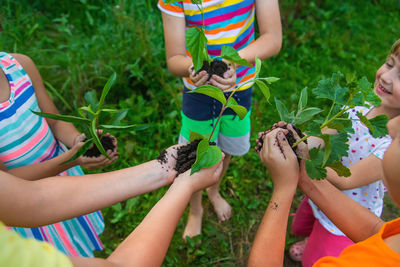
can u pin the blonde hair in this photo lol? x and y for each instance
(396, 48)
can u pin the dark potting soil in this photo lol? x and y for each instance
(289, 136)
(94, 152)
(217, 67)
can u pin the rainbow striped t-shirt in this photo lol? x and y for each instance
(227, 22)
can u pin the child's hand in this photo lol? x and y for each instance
(229, 79)
(198, 79)
(167, 161)
(280, 159)
(202, 179)
(95, 162)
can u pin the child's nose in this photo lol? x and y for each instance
(387, 77)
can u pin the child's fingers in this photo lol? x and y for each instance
(285, 147)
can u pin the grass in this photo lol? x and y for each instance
(78, 44)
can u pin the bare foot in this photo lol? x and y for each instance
(221, 207)
(193, 226)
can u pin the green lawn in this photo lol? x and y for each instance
(78, 44)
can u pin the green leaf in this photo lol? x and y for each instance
(239, 110)
(379, 125)
(110, 110)
(132, 127)
(66, 118)
(327, 148)
(206, 156)
(270, 80)
(197, 136)
(372, 98)
(91, 99)
(313, 129)
(303, 99)
(196, 43)
(96, 140)
(331, 89)
(340, 146)
(283, 111)
(258, 67)
(118, 116)
(313, 166)
(229, 53)
(340, 169)
(211, 91)
(264, 89)
(306, 115)
(364, 85)
(88, 109)
(88, 143)
(106, 89)
(358, 99)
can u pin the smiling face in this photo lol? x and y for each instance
(391, 160)
(387, 85)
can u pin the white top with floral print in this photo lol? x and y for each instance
(361, 145)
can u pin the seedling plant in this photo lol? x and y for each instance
(90, 120)
(313, 120)
(208, 154)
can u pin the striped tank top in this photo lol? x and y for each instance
(227, 22)
(26, 139)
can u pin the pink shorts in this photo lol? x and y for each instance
(321, 242)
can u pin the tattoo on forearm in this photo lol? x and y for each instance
(274, 205)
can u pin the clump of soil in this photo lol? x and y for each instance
(186, 156)
(94, 152)
(217, 67)
(289, 136)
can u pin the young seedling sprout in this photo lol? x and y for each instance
(313, 121)
(89, 120)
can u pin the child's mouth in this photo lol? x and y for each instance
(383, 89)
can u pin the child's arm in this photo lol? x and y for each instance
(174, 36)
(269, 42)
(59, 198)
(63, 131)
(149, 242)
(268, 246)
(354, 220)
(364, 172)
(54, 166)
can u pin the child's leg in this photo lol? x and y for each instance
(322, 243)
(303, 221)
(193, 226)
(221, 207)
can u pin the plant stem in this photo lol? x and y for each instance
(222, 111)
(324, 125)
(300, 140)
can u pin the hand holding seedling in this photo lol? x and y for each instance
(228, 78)
(280, 159)
(202, 179)
(198, 78)
(95, 162)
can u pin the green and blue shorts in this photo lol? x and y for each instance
(200, 112)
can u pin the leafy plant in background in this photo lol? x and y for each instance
(208, 155)
(313, 120)
(89, 120)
